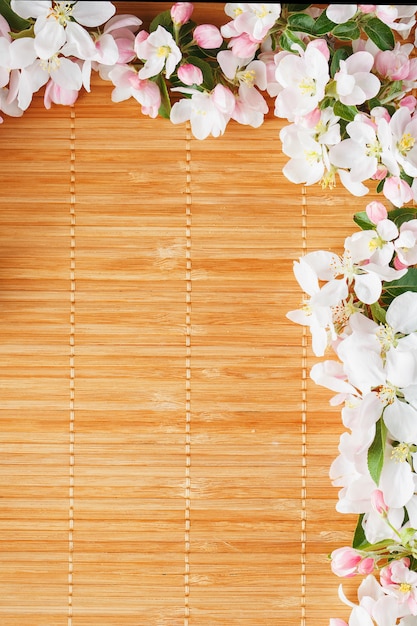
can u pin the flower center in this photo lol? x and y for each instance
(163, 51)
(312, 156)
(61, 12)
(387, 337)
(262, 12)
(307, 86)
(374, 149)
(400, 453)
(387, 394)
(405, 587)
(405, 144)
(50, 65)
(248, 77)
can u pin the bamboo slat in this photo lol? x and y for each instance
(164, 456)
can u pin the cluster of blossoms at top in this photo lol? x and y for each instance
(336, 74)
(362, 305)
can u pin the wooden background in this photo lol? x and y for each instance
(164, 456)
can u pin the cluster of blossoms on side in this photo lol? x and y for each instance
(362, 305)
(337, 74)
(344, 77)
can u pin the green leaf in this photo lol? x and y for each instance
(376, 451)
(292, 8)
(288, 39)
(404, 214)
(379, 33)
(394, 288)
(205, 67)
(359, 539)
(379, 314)
(339, 55)
(345, 112)
(347, 31)
(165, 108)
(301, 22)
(363, 221)
(323, 25)
(15, 21)
(163, 19)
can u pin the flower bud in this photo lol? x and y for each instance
(190, 74)
(366, 566)
(376, 212)
(208, 36)
(181, 12)
(345, 562)
(377, 498)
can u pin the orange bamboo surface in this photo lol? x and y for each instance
(164, 456)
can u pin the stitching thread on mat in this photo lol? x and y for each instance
(303, 537)
(188, 268)
(72, 371)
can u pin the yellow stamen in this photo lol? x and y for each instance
(405, 587)
(163, 51)
(400, 453)
(405, 144)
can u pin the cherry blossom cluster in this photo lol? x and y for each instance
(362, 306)
(337, 74)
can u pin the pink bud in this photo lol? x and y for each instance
(378, 502)
(208, 36)
(321, 45)
(397, 191)
(181, 12)
(336, 621)
(345, 562)
(190, 74)
(410, 102)
(366, 566)
(376, 211)
(367, 8)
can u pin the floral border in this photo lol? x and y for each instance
(345, 78)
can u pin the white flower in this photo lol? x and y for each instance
(52, 19)
(404, 138)
(254, 18)
(160, 51)
(368, 145)
(304, 79)
(354, 81)
(317, 310)
(308, 148)
(208, 112)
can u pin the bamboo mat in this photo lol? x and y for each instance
(164, 456)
